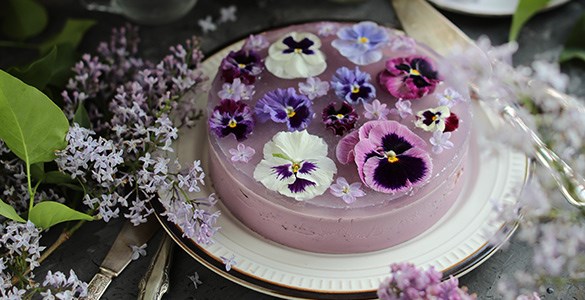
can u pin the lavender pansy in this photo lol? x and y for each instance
(243, 64)
(296, 55)
(314, 87)
(347, 192)
(285, 106)
(232, 117)
(339, 120)
(353, 86)
(389, 157)
(437, 119)
(296, 165)
(375, 110)
(242, 153)
(236, 90)
(409, 77)
(361, 43)
(403, 108)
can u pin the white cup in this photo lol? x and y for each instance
(146, 12)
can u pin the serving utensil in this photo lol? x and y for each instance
(155, 283)
(424, 23)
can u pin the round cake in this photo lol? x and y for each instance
(337, 137)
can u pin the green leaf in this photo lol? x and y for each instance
(81, 116)
(524, 11)
(66, 59)
(575, 44)
(9, 212)
(71, 34)
(23, 18)
(37, 171)
(31, 125)
(48, 213)
(39, 72)
(56, 177)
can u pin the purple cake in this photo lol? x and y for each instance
(337, 137)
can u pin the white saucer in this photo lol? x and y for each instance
(486, 7)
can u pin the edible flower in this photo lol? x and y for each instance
(376, 110)
(339, 120)
(296, 55)
(244, 64)
(347, 192)
(285, 106)
(314, 87)
(236, 90)
(361, 43)
(409, 77)
(389, 157)
(242, 153)
(232, 117)
(353, 86)
(296, 165)
(437, 119)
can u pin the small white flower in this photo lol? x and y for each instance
(236, 90)
(243, 153)
(551, 74)
(228, 14)
(229, 262)
(347, 192)
(402, 108)
(207, 24)
(256, 42)
(314, 87)
(450, 97)
(440, 141)
(327, 29)
(195, 280)
(376, 110)
(138, 251)
(402, 43)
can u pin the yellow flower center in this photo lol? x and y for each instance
(232, 123)
(290, 112)
(241, 66)
(298, 50)
(363, 40)
(345, 190)
(296, 167)
(434, 118)
(355, 89)
(339, 116)
(414, 72)
(391, 155)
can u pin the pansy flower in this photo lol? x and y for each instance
(339, 120)
(353, 86)
(361, 43)
(243, 64)
(285, 106)
(389, 157)
(296, 55)
(437, 119)
(236, 90)
(409, 77)
(296, 165)
(232, 117)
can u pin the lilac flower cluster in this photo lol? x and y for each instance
(407, 282)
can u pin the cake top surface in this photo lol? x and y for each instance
(338, 115)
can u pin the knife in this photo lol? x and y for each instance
(425, 24)
(155, 282)
(120, 255)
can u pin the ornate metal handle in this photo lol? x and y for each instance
(98, 285)
(156, 280)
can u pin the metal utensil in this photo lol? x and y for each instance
(155, 282)
(120, 255)
(424, 23)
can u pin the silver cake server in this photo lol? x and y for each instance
(155, 282)
(424, 23)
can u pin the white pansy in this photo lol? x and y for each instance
(296, 55)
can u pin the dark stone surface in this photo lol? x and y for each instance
(86, 249)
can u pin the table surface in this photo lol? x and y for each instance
(543, 36)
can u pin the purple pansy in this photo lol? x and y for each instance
(361, 43)
(232, 117)
(353, 86)
(339, 120)
(243, 64)
(296, 165)
(409, 77)
(285, 106)
(437, 119)
(389, 157)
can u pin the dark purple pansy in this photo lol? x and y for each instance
(232, 117)
(285, 106)
(409, 77)
(389, 157)
(339, 120)
(353, 86)
(243, 64)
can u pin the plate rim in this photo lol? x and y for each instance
(462, 9)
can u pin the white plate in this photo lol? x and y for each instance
(486, 7)
(456, 244)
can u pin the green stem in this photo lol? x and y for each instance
(31, 193)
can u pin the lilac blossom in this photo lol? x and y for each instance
(440, 141)
(236, 91)
(229, 262)
(228, 14)
(353, 86)
(402, 108)
(339, 120)
(285, 106)
(450, 97)
(232, 117)
(326, 29)
(242, 153)
(376, 110)
(347, 192)
(256, 43)
(314, 87)
(410, 77)
(402, 43)
(138, 251)
(361, 43)
(207, 25)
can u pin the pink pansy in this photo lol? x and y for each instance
(409, 77)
